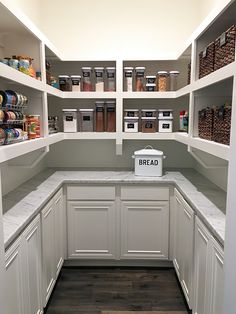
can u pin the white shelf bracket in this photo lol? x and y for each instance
(34, 163)
(201, 162)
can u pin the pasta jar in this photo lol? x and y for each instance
(111, 116)
(100, 116)
(75, 80)
(111, 79)
(128, 79)
(87, 82)
(139, 79)
(99, 84)
(64, 83)
(162, 81)
(173, 80)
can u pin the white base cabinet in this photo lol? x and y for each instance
(144, 229)
(52, 217)
(24, 272)
(184, 245)
(91, 229)
(209, 274)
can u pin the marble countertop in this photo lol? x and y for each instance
(24, 203)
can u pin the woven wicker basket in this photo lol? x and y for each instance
(222, 123)
(225, 48)
(206, 60)
(205, 123)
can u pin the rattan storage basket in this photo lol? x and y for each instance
(206, 60)
(225, 48)
(205, 123)
(222, 124)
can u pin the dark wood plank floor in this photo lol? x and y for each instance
(91, 290)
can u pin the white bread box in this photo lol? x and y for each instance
(148, 162)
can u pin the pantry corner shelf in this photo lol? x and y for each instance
(89, 95)
(148, 95)
(90, 136)
(20, 78)
(148, 136)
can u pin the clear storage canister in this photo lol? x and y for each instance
(65, 83)
(69, 120)
(131, 113)
(111, 116)
(100, 121)
(86, 121)
(173, 77)
(150, 87)
(131, 124)
(151, 79)
(87, 79)
(139, 79)
(110, 79)
(99, 76)
(162, 81)
(75, 80)
(128, 79)
(149, 124)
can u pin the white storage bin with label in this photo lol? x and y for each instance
(148, 162)
(131, 124)
(70, 123)
(165, 113)
(165, 125)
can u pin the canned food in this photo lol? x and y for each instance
(33, 126)
(14, 63)
(2, 136)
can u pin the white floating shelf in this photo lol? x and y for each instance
(145, 95)
(89, 95)
(183, 91)
(20, 78)
(182, 137)
(90, 136)
(52, 91)
(215, 77)
(148, 136)
(55, 138)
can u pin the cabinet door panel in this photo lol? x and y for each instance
(32, 266)
(217, 280)
(14, 287)
(48, 243)
(59, 230)
(144, 229)
(201, 272)
(91, 229)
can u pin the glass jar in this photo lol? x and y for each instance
(128, 79)
(75, 80)
(111, 79)
(173, 80)
(64, 83)
(111, 116)
(162, 81)
(100, 125)
(87, 82)
(139, 79)
(99, 83)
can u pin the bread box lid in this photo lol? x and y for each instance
(148, 151)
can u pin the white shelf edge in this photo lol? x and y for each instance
(144, 95)
(215, 77)
(87, 95)
(148, 136)
(20, 78)
(90, 136)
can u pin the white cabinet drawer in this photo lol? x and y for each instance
(144, 193)
(91, 192)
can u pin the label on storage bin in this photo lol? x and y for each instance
(222, 39)
(165, 125)
(166, 114)
(130, 125)
(128, 74)
(99, 74)
(110, 74)
(148, 162)
(86, 118)
(69, 118)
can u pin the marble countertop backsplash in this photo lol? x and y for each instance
(24, 203)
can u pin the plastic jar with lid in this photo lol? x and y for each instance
(110, 79)
(64, 83)
(128, 79)
(139, 79)
(148, 124)
(173, 75)
(99, 76)
(162, 81)
(100, 121)
(75, 79)
(131, 124)
(150, 87)
(111, 116)
(87, 79)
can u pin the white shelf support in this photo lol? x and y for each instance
(201, 162)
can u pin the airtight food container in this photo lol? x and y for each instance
(165, 113)
(165, 125)
(131, 124)
(69, 120)
(148, 162)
